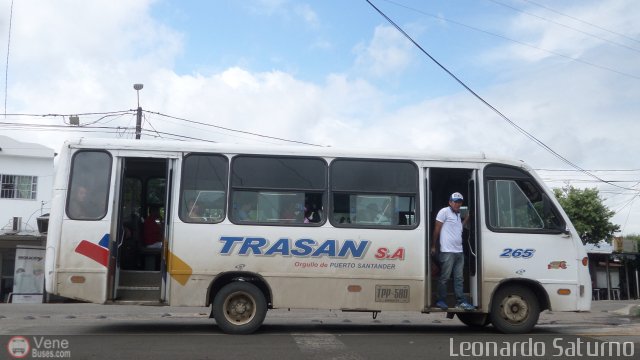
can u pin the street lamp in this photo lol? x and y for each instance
(138, 87)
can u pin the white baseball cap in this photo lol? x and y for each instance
(456, 196)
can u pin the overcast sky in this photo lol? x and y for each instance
(336, 73)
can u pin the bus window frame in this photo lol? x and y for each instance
(258, 190)
(71, 179)
(523, 175)
(181, 199)
(416, 195)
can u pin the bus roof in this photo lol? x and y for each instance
(271, 149)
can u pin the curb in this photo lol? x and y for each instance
(629, 310)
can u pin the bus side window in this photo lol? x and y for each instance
(88, 193)
(373, 193)
(203, 193)
(517, 203)
(278, 190)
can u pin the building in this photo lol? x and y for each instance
(26, 184)
(614, 270)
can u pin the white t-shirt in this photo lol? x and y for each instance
(451, 232)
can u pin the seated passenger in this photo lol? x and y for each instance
(194, 212)
(244, 212)
(153, 229)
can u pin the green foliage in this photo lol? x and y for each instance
(635, 237)
(588, 214)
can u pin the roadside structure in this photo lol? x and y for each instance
(26, 182)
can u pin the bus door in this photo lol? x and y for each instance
(86, 229)
(168, 215)
(471, 240)
(442, 182)
(142, 216)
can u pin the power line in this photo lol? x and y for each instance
(130, 111)
(6, 69)
(582, 21)
(564, 25)
(486, 103)
(229, 129)
(590, 170)
(149, 122)
(119, 113)
(589, 181)
(555, 53)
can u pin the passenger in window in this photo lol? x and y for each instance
(292, 213)
(80, 205)
(244, 213)
(311, 214)
(195, 213)
(374, 215)
(153, 229)
(448, 233)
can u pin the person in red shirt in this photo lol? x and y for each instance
(153, 229)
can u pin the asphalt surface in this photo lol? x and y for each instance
(153, 332)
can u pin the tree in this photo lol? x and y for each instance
(588, 214)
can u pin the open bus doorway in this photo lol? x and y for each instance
(142, 217)
(443, 182)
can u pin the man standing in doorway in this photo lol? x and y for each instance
(448, 231)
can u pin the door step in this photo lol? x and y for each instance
(139, 286)
(130, 278)
(139, 293)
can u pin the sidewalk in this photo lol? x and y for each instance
(603, 312)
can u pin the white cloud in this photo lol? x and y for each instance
(286, 9)
(618, 16)
(307, 13)
(90, 64)
(388, 53)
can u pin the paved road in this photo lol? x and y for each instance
(149, 332)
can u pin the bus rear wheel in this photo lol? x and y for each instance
(474, 320)
(239, 308)
(514, 309)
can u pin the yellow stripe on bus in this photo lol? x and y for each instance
(180, 271)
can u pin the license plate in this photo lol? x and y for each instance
(392, 293)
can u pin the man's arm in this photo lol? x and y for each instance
(436, 236)
(465, 222)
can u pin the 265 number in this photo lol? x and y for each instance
(517, 253)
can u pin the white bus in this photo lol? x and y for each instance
(245, 229)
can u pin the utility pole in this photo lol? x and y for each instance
(138, 87)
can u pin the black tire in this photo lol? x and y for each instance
(474, 320)
(514, 309)
(239, 308)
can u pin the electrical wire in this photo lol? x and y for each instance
(555, 53)
(564, 25)
(230, 129)
(149, 122)
(494, 109)
(6, 69)
(582, 21)
(592, 170)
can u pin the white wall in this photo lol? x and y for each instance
(21, 159)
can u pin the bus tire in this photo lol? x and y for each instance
(239, 308)
(514, 309)
(474, 320)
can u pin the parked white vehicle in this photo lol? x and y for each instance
(246, 229)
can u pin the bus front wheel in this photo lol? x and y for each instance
(514, 309)
(239, 308)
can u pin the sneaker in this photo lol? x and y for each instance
(465, 306)
(442, 305)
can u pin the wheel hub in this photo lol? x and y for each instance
(515, 309)
(239, 308)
